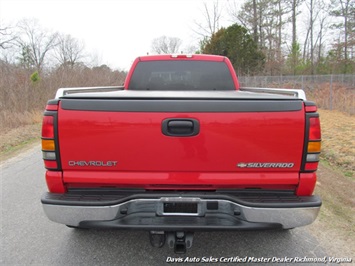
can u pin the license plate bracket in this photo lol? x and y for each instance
(180, 207)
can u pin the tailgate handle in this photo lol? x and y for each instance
(180, 127)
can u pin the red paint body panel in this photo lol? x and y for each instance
(54, 181)
(307, 184)
(184, 180)
(136, 142)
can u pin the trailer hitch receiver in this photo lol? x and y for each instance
(180, 241)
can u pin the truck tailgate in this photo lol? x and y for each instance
(126, 138)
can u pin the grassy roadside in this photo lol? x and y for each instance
(338, 141)
(335, 225)
(18, 139)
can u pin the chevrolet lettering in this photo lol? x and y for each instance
(93, 163)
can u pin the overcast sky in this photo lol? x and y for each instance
(117, 31)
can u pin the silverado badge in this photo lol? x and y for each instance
(265, 165)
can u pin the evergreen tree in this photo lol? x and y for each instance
(294, 59)
(239, 46)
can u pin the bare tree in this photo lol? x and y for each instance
(69, 50)
(293, 6)
(212, 16)
(7, 43)
(345, 10)
(256, 16)
(35, 43)
(311, 25)
(266, 21)
(281, 10)
(250, 15)
(166, 45)
(255, 21)
(7, 37)
(316, 31)
(323, 24)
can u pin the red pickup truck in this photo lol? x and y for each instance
(181, 147)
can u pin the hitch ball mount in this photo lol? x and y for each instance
(180, 241)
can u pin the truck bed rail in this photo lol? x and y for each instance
(64, 91)
(296, 93)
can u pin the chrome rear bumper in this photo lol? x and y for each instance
(182, 212)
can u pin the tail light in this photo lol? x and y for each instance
(313, 139)
(49, 143)
(50, 149)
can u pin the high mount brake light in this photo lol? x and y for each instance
(181, 56)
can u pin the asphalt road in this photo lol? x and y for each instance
(29, 238)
